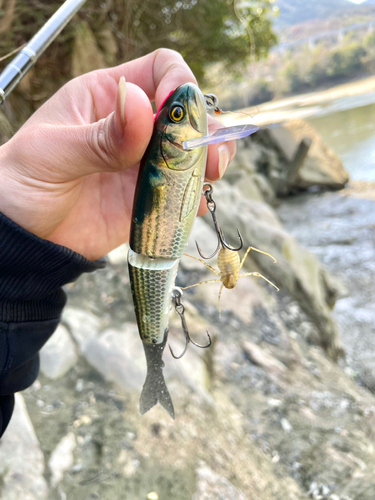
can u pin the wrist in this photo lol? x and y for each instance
(22, 199)
(9, 196)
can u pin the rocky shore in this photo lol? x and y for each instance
(280, 407)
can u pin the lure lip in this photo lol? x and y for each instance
(221, 135)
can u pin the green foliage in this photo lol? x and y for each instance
(203, 31)
(346, 61)
(306, 70)
(291, 73)
(369, 40)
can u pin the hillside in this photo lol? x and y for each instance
(298, 11)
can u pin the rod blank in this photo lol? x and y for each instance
(28, 56)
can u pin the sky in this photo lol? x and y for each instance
(356, 1)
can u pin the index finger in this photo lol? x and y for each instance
(157, 74)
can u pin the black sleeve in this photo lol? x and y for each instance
(32, 273)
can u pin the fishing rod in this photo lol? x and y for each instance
(27, 57)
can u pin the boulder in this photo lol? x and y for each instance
(291, 156)
(21, 459)
(118, 356)
(251, 170)
(322, 167)
(61, 458)
(83, 325)
(58, 355)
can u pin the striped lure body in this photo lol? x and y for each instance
(166, 201)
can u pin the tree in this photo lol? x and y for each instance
(204, 31)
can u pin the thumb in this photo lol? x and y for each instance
(120, 140)
(111, 144)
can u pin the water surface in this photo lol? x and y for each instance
(348, 126)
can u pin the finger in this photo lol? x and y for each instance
(219, 155)
(111, 144)
(157, 73)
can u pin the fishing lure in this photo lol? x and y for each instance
(167, 197)
(166, 201)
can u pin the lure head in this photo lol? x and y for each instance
(170, 178)
(182, 116)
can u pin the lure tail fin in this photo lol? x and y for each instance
(155, 389)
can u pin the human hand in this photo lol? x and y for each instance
(69, 173)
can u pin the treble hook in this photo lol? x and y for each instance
(180, 309)
(211, 205)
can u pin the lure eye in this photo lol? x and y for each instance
(177, 113)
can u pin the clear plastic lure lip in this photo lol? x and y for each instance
(221, 135)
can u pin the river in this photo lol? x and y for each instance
(343, 115)
(348, 127)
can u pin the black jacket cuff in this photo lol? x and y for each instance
(32, 272)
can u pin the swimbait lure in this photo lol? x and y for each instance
(166, 202)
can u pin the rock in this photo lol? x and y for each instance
(324, 490)
(264, 187)
(286, 425)
(62, 458)
(58, 355)
(262, 358)
(292, 156)
(84, 420)
(213, 486)
(322, 166)
(83, 325)
(247, 170)
(118, 356)
(21, 459)
(207, 240)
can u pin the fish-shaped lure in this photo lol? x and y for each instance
(166, 201)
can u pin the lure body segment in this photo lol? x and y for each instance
(166, 201)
